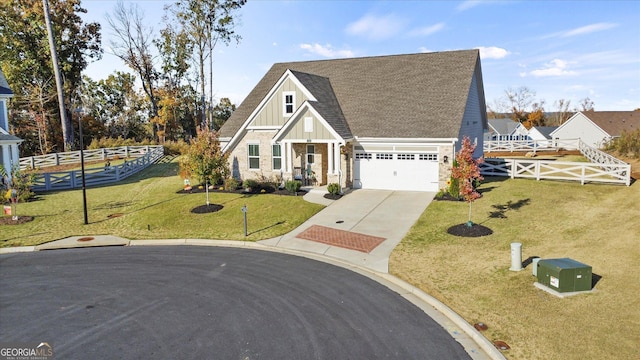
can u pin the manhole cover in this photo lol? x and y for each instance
(501, 345)
(86, 238)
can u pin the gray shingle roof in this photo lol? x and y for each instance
(546, 130)
(402, 96)
(327, 104)
(503, 126)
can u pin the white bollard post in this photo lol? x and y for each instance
(516, 257)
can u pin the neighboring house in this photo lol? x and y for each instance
(386, 122)
(500, 129)
(538, 133)
(596, 128)
(9, 154)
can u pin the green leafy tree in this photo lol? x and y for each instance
(26, 63)
(467, 172)
(222, 112)
(205, 160)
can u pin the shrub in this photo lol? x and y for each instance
(179, 147)
(251, 185)
(628, 144)
(21, 181)
(293, 186)
(231, 184)
(333, 188)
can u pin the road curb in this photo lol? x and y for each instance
(406, 290)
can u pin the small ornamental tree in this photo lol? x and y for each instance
(467, 172)
(204, 160)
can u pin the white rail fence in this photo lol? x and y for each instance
(603, 167)
(531, 145)
(63, 180)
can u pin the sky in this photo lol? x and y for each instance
(566, 50)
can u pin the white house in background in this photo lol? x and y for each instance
(500, 129)
(382, 122)
(537, 133)
(9, 154)
(596, 128)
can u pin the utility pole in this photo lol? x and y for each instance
(56, 70)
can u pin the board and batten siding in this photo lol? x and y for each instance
(272, 114)
(320, 132)
(472, 120)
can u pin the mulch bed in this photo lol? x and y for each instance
(475, 230)
(198, 190)
(447, 197)
(332, 196)
(205, 209)
(7, 220)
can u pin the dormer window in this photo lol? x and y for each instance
(289, 100)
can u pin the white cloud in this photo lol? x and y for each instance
(589, 29)
(326, 50)
(427, 30)
(376, 27)
(492, 52)
(469, 4)
(423, 49)
(555, 67)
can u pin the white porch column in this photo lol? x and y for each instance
(15, 161)
(289, 155)
(330, 156)
(336, 155)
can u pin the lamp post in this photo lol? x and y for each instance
(84, 187)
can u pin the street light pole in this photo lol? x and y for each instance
(84, 186)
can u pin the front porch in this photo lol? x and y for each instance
(315, 163)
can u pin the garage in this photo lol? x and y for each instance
(411, 171)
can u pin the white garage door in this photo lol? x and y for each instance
(396, 171)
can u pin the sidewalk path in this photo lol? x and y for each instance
(359, 217)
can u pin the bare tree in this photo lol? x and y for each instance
(586, 104)
(207, 22)
(133, 45)
(519, 101)
(562, 112)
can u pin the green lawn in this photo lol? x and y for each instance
(595, 224)
(147, 206)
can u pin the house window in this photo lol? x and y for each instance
(276, 153)
(311, 156)
(308, 124)
(289, 99)
(254, 156)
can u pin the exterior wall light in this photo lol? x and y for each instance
(445, 159)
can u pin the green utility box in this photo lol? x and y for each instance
(564, 275)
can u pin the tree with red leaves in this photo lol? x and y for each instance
(467, 172)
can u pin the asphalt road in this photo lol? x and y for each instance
(189, 302)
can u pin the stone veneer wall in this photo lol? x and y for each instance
(444, 170)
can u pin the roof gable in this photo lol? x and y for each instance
(503, 126)
(400, 96)
(294, 128)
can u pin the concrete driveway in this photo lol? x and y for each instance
(382, 214)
